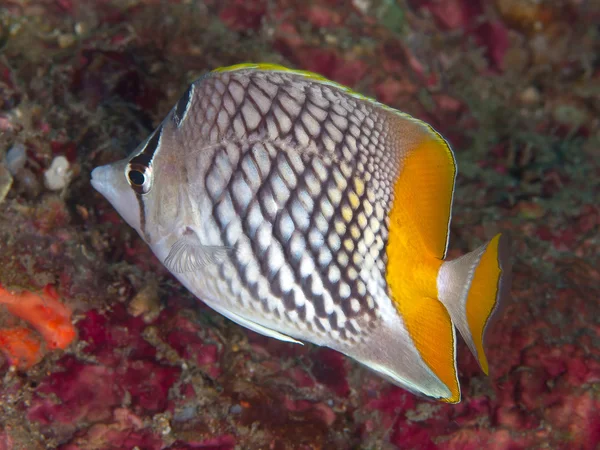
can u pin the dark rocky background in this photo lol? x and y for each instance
(513, 84)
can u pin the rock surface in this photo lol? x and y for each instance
(511, 84)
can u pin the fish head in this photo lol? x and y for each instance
(146, 188)
(112, 182)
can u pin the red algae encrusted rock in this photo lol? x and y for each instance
(329, 369)
(123, 430)
(77, 392)
(88, 390)
(119, 356)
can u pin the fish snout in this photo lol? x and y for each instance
(100, 177)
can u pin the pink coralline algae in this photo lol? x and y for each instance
(124, 430)
(329, 369)
(84, 392)
(100, 348)
(185, 341)
(120, 366)
(465, 15)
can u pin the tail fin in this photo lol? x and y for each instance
(473, 289)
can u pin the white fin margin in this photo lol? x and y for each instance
(251, 325)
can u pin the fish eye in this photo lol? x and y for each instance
(136, 177)
(139, 178)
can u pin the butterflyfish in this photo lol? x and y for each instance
(305, 211)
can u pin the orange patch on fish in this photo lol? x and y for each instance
(416, 245)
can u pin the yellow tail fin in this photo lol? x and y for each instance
(473, 289)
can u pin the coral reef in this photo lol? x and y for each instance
(102, 349)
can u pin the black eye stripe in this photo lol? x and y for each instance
(147, 154)
(182, 106)
(139, 171)
(142, 159)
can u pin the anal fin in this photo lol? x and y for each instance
(433, 335)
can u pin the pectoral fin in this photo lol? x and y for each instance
(188, 254)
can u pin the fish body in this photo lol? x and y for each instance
(307, 212)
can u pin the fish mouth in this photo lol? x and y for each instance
(105, 179)
(111, 183)
(99, 175)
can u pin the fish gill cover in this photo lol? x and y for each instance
(511, 84)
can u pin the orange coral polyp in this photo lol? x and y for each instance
(21, 346)
(45, 313)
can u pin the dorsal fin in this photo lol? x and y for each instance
(309, 76)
